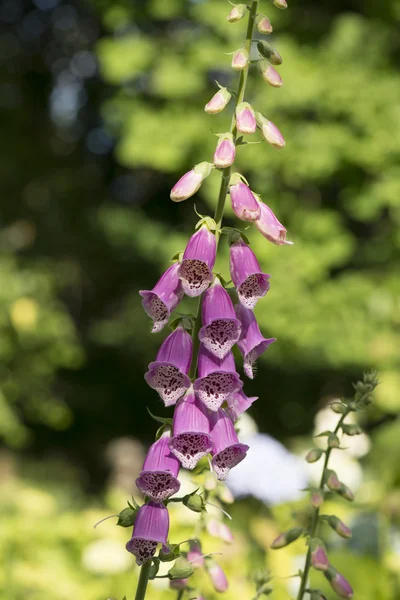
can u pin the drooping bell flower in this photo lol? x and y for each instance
(158, 477)
(270, 132)
(269, 226)
(220, 530)
(227, 451)
(237, 13)
(163, 298)
(217, 576)
(191, 439)
(151, 528)
(218, 101)
(225, 151)
(195, 554)
(244, 203)
(221, 327)
(217, 378)
(269, 74)
(339, 584)
(190, 183)
(195, 271)
(168, 373)
(251, 343)
(250, 282)
(238, 403)
(240, 59)
(245, 118)
(263, 24)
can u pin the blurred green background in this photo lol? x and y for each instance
(101, 112)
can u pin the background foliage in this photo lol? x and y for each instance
(101, 112)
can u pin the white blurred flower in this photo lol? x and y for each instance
(106, 557)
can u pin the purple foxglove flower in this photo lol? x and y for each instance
(196, 555)
(263, 24)
(244, 203)
(227, 451)
(270, 75)
(220, 530)
(319, 558)
(217, 378)
(240, 59)
(151, 528)
(168, 374)
(238, 403)
(251, 343)
(237, 13)
(190, 183)
(195, 271)
(218, 101)
(245, 118)
(191, 439)
(339, 584)
(163, 298)
(225, 152)
(270, 132)
(217, 576)
(158, 477)
(221, 328)
(250, 282)
(269, 226)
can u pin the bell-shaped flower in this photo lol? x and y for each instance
(190, 183)
(245, 118)
(270, 132)
(263, 24)
(240, 59)
(227, 451)
(163, 298)
(270, 75)
(217, 576)
(218, 101)
(251, 343)
(244, 203)
(191, 439)
(150, 529)
(238, 403)
(168, 373)
(195, 271)
(250, 282)
(217, 378)
(158, 477)
(225, 152)
(269, 226)
(221, 327)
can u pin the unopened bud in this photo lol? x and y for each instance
(190, 183)
(269, 74)
(279, 3)
(210, 481)
(127, 517)
(218, 101)
(172, 554)
(332, 480)
(317, 595)
(182, 569)
(333, 440)
(195, 555)
(319, 557)
(263, 24)
(351, 429)
(178, 584)
(245, 118)
(316, 498)
(224, 155)
(314, 455)
(338, 526)
(338, 408)
(217, 576)
(240, 59)
(269, 52)
(286, 538)
(346, 492)
(194, 502)
(225, 495)
(237, 13)
(218, 529)
(270, 132)
(339, 584)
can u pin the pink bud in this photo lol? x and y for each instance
(218, 102)
(279, 3)
(245, 118)
(217, 576)
(178, 584)
(225, 152)
(313, 455)
(316, 498)
(346, 492)
(270, 132)
(270, 227)
(240, 59)
(332, 481)
(195, 555)
(270, 75)
(339, 527)
(286, 538)
(237, 13)
(190, 183)
(263, 24)
(319, 559)
(220, 530)
(339, 584)
(244, 203)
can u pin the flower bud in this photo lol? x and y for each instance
(220, 530)
(225, 152)
(217, 576)
(224, 493)
(314, 455)
(286, 538)
(333, 440)
(190, 183)
(195, 555)
(316, 498)
(218, 101)
(210, 481)
(339, 408)
(317, 595)
(351, 429)
(245, 118)
(346, 492)
(279, 3)
(339, 584)
(194, 502)
(181, 569)
(244, 203)
(332, 480)
(127, 517)
(178, 584)
(319, 558)
(270, 132)
(240, 59)
(237, 13)
(263, 24)
(268, 52)
(339, 526)
(269, 74)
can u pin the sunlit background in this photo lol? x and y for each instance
(101, 112)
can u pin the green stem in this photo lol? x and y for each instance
(225, 177)
(180, 594)
(315, 521)
(143, 580)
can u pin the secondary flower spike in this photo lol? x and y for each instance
(270, 132)
(221, 328)
(168, 373)
(190, 183)
(245, 118)
(240, 59)
(158, 477)
(218, 101)
(151, 528)
(250, 282)
(269, 74)
(191, 439)
(217, 379)
(227, 451)
(244, 203)
(195, 271)
(225, 151)
(269, 226)
(238, 403)
(163, 298)
(251, 343)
